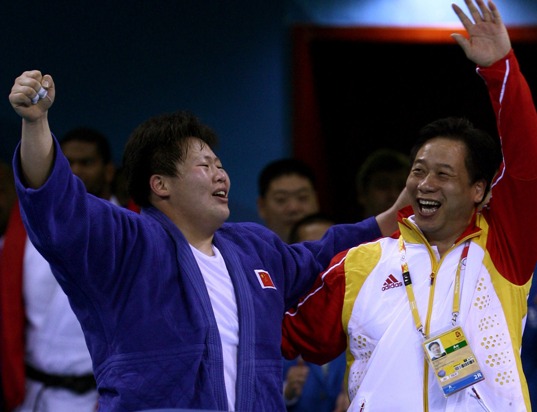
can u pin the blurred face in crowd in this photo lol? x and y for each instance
(382, 190)
(312, 231)
(288, 199)
(89, 166)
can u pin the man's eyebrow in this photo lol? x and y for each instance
(286, 191)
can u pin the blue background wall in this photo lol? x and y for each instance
(117, 63)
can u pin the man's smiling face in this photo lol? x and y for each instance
(442, 197)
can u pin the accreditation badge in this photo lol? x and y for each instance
(452, 360)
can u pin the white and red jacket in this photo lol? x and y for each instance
(360, 303)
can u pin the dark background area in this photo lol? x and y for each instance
(115, 64)
(378, 95)
(230, 62)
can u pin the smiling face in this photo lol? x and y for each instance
(289, 198)
(442, 196)
(197, 197)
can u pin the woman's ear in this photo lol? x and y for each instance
(158, 185)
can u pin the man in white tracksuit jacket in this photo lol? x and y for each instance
(383, 300)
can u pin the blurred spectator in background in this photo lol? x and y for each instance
(287, 193)
(90, 157)
(310, 227)
(380, 180)
(7, 197)
(309, 387)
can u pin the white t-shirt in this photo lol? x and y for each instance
(224, 303)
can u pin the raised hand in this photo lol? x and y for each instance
(488, 40)
(295, 379)
(28, 97)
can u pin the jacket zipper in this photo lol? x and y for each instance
(435, 264)
(476, 396)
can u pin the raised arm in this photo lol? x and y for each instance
(488, 40)
(515, 185)
(37, 150)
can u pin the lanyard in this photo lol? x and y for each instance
(461, 267)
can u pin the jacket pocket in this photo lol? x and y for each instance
(150, 380)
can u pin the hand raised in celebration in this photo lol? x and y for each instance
(488, 40)
(32, 95)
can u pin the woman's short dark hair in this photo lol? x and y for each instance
(156, 147)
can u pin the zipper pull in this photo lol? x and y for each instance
(476, 394)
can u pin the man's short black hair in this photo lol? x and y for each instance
(308, 220)
(89, 135)
(283, 167)
(483, 152)
(381, 160)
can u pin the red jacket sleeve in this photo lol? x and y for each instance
(12, 318)
(314, 328)
(514, 194)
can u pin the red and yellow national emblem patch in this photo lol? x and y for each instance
(264, 279)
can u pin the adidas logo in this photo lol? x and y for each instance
(391, 282)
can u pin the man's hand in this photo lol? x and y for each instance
(488, 40)
(387, 220)
(25, 96)
(295, 380)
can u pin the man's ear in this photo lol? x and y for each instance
(158, 185)
(479, 188)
